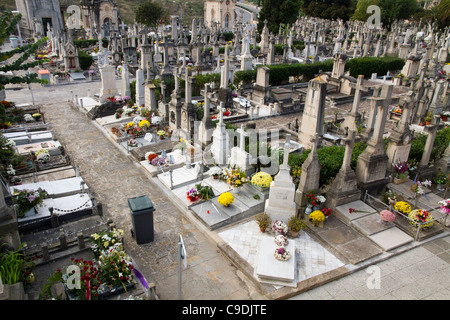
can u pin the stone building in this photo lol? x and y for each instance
(37, 15)
(221, 12)
(100, 15)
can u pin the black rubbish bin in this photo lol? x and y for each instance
(142, 219)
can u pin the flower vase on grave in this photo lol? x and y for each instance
(308, 209)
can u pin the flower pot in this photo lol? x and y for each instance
(400, 180)
(262, 229)
(444, 118)
(294, 234)
(215, 177)
(440, 187)
(308, 209)
(427, 123)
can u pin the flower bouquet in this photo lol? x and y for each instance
(401, 170)
(403, 207)
(282, 254)
(144, 123)
(90, 280)
(387, 216)
(419, 187)
(158, 161)
(281, 241)
(193, 194)
(27, 199)
(150, 156)
(132, 143)
(445, 206)
(104, 240)
(115, 267)
(226, 199)
(280, 227)
(327, 212)
(42, 155)
(235, 177)
(422, 217)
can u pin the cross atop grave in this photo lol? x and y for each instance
(431, 130)
(359, 89)
(349, 141)
(166, 45)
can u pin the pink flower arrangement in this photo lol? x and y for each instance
(387, 216)
(445, 206)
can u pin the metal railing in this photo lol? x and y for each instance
(417, 224)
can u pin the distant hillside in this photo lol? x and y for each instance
(191, 9)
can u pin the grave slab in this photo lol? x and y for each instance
(391, 238)
(210, 214)
(269, 268)
(342, 211)
(57, 188)
(370, 224)
(359, 250)
(51, 146)
(22, 137)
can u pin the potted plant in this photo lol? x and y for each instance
(226, 199)
(295, 224)
(263, 220)
(317, 218)
(422, 218)
(445, 206)
(401, 172)
(387, 217)
(261, 180)
(441, 180)
(205, 192)
(215, 172)
(428, 118)
(161, 134)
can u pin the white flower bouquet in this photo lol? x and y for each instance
(281, 240)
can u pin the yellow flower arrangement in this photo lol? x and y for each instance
(422, 216)
(403, 207)
(130, 125)
(226, 199)
(261, 179)
(316, 216)
(144, 123)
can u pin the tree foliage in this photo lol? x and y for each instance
(150, 14)
(8, 23)
(329, 9)
(278, 12)
(390, 10)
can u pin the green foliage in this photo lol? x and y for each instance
(441, 142)
(330, 159)
(328, 9)
(85, 59)
(86, 43)
(14, 267)
(8, 24)
(278, 12)
(390, 10)
(368, 65)
(280, 73)
(46, 292)
(150, 13)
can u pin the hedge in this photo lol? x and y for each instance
(368, 65)
(280, 73)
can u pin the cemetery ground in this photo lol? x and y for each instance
(332, 261)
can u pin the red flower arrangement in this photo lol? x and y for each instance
(311, 198)
(327, 212)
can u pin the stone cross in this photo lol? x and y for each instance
(221, 107)
(359, 88)
(349, 142)
(432, 130)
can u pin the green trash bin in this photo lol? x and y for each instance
(142, 219)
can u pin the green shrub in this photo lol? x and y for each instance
(368, 65)
(85, 59)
